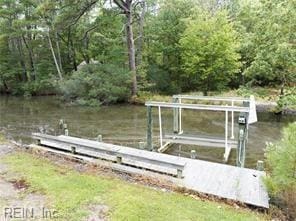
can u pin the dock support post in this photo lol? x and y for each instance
(149, 128)
(99, 138)
(179, 173)
(176, 117)
(226, 130)
(141, 145)
(193, 154)
(260, 165)
(160, 126)
(242, 139)
(118, 159)
(232, 121)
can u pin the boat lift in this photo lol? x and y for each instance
(247, 115)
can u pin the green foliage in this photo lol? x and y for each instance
(288, 100)
(281, 162)
(96, 84)
(209, 54)
(163, 52)
(185, 45)
(273, 41)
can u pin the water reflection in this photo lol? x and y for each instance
(126, 125)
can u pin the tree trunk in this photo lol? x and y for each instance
(126, 7)
(54, 57)
(19, 46)
(73, 54)
(141, 33)
(31, 59)
(131, 48)
(58, 51)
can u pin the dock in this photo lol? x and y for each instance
(221, 180)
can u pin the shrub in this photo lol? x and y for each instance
(288, 100)
(96, 84)
(281, 166)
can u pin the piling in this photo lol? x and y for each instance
(260, 165)
(149, 128)
(193, 154)
(99, 138)
(141, 145)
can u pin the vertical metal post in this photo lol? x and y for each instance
(180, 117)
(232, 121)
(242, 139)
(149, 128)
(160, 126)
(175, 117)
(226, 130)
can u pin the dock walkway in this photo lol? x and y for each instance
(226, 181)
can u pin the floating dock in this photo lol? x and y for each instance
(225, 181)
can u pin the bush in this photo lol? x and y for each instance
(288, 100)
(96, 84)
(39, 87)
(281, 165)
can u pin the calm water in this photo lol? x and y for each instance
(127, 125)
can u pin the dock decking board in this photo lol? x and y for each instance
(240, 184)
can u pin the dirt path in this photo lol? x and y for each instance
(19, 203)
(14, 196)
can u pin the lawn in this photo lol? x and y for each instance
(70, 193)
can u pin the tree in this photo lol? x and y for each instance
(126, 7)
(209, 54)
(281, 167)
(274, 44)
(163, 32)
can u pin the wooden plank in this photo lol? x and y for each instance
(198, 106)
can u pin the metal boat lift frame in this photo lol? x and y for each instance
(247, 116)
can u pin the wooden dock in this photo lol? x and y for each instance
(225, 181)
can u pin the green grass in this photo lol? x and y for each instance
(262, 94)
(69, 192)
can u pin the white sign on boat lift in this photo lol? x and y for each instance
(248, 115)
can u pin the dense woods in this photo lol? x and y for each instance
(108, 51)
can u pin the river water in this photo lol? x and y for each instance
(126, 125)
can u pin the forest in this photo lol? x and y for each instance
(97, 51)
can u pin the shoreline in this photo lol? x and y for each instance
(261, 106)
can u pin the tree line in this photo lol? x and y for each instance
(127, 46)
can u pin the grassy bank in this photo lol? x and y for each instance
(71, 193)
(262, 95)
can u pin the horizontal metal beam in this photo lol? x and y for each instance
(198, 106)
(211, 98)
